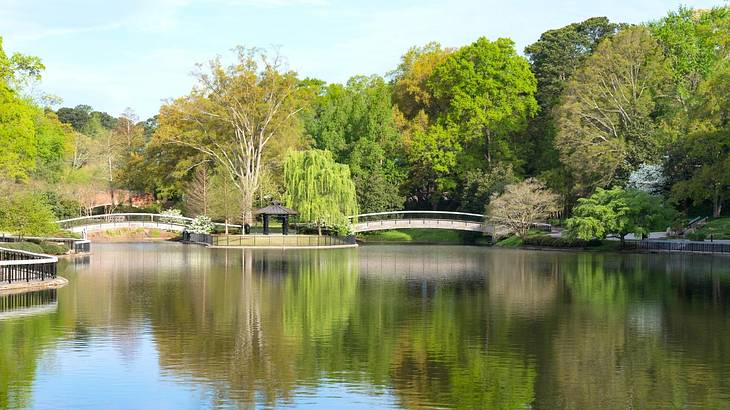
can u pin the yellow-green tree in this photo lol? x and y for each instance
(320, 189)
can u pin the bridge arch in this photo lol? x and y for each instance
(128, 220)
(451, 220)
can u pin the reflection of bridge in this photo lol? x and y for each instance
(460, 221)
(128, 220)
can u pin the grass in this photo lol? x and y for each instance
(510, 242)
(419, 236)
(719, 228)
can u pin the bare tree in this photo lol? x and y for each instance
(234, 113)
(523, 204)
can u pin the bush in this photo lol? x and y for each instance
(52, 248)
(22, 246)
(201, 224)
(697, 236)
(559, 242)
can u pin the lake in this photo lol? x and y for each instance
(170, 326)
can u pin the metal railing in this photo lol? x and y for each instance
(437, 217)
(76, 245)
(16, 265)
(678, 246)
(159, 220)
(270, 240)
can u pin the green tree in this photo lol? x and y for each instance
(554, 58)
(693, 41)
(606, 121)
(26, 214)
(236, 116)
(356, 123)
(699, 167)
(618, 212)
(487, 92)
(320, 189)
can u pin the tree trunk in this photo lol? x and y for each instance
(246, 206)
(717, 203)
(623, 240)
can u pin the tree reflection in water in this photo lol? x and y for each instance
(432, 326)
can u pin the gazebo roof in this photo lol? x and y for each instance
(276, 209)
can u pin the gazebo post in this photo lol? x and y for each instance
(285, 225)
(266, 224)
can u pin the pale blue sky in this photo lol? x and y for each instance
(136, 53)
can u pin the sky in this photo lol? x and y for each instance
(138, 53)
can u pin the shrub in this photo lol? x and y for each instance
(174, 215)
(22, 246)
(559, 242)
(697, 236)
(52, 248)
(201, 224)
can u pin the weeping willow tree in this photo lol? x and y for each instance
(319, 188)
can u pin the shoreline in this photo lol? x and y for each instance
(22, 286)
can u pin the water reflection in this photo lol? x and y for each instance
(381, 326)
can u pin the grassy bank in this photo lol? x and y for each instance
(421, 236)
(717, 228)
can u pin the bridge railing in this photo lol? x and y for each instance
(17, 265)
(430, 215)
(121, 218)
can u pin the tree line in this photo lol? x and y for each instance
(588, 108)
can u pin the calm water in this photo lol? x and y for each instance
(170, 326)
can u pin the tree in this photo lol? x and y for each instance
(523, 204)
(198, 192)
(78, 117)
(235, 114)
(554, 58)
(487, 92)
(618, 212)
(33, 141)
(355, 122)
(699, 166)
(479, 186)
(606, 122)
(320, 189)
(411, 92)
(648, 178)
(693, 41)
(26, 214)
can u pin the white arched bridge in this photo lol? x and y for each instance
(380, 221)
(129, 220)
(458, 221)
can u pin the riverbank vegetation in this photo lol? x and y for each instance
(587, 109)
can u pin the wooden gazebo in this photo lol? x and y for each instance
(277, 210)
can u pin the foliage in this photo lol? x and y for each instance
(699, 166)
(320, 189)
(22, 246)
(718, 228)
(605, 121)
(480, 185)
(558, 242)
(171, 216)
(201, 224)
(691, 40)
(648, 178)
(235, 115)
(52, 248)
(26, 214)
(523, 204)
(355, 122)
(618, 212)
(487, 91)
